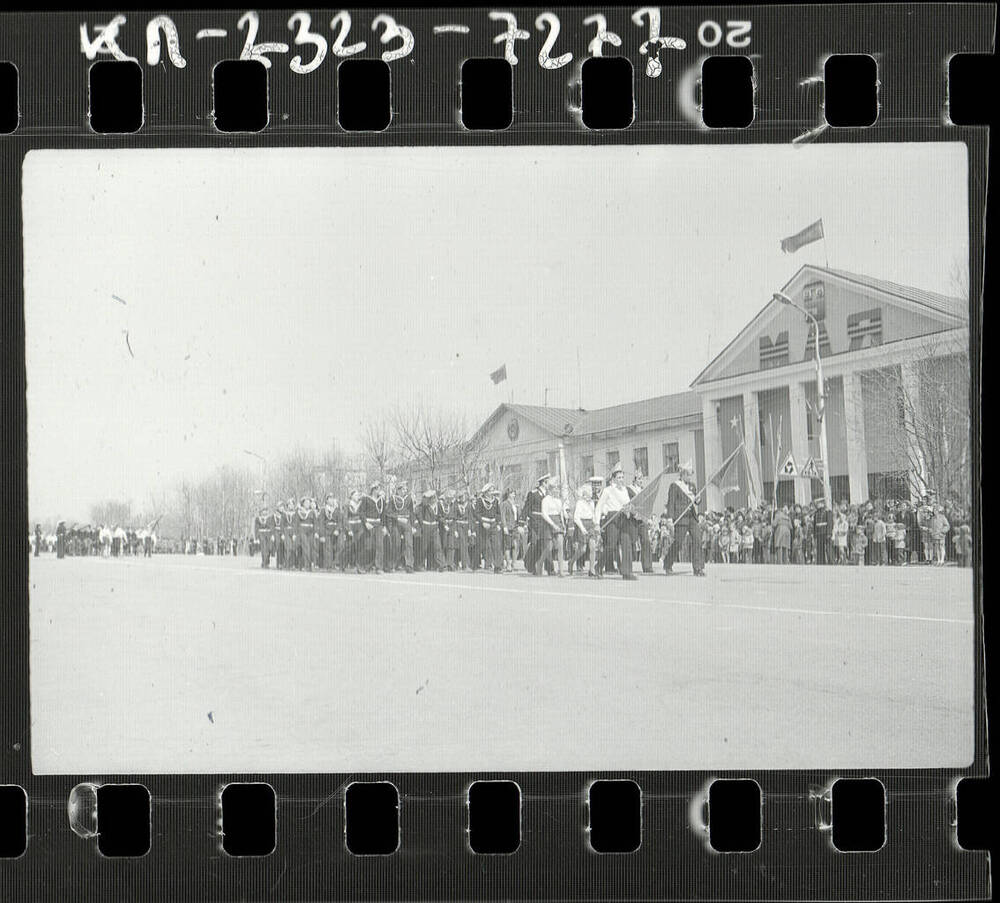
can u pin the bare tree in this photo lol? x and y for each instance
(379, 449)
(922, 410)
(429, 440)
(112, 513)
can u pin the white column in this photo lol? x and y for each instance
(910, 378)
(857, 452)
(800, 438)
(713, 451)
(751, 434)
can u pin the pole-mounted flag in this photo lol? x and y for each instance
(498, 376)
(806, 237)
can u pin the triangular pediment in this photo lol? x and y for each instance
(855, 312)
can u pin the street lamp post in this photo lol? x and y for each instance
(820, 396)
(263, 468)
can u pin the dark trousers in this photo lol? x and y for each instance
(265, 549)
(492, 547)
(682, 530)
(432, 558)
(619, 541)
(822, 538)
(373, 547)
(462, 550)
(304, 547)
(449, 544)
(402, 546)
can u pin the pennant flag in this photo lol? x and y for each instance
(807, 236)
(498, 376)
(652, 498)
(788, 469)
(811, 469)
(727, 478)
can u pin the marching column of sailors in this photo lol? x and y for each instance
(380, 532)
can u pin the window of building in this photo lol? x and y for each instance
(671, 457)
(586, 467)
(640, 458)
(773, 353)
(541, 467)
(864, 329)
(613, 459)
(513, 477)
(810, 422)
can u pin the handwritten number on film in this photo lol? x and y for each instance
(161, 31)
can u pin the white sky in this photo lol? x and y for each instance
(254, 282)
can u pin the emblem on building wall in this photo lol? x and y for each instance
(513, 430)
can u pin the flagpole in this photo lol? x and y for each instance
(826, 255)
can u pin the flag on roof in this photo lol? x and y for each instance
(498, 376)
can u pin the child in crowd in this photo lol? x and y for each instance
(746, 544)
(840, 529)
(859, 544)
(879, 535)
(735, 542)
(724, 541)
(899, 541)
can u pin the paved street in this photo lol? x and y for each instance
(213, 665)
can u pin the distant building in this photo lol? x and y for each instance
(521, 442)
(895, 362)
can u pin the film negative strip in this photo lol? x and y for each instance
(492, 453)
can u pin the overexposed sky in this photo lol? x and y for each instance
(271, 297)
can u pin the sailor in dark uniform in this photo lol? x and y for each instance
(682, 509)
(373, 530)
(449, 537)
(429, 518)
(262, 534)
(532, 514)
(400, 513)
(463, 530)
(488, 521)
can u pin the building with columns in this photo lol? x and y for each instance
(895, 361)
(888, 351)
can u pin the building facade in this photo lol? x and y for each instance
(896, 368)
(894, 359)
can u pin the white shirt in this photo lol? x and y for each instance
(612, 499)
(584, 511)
(553, 509)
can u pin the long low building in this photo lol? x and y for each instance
(896, 368)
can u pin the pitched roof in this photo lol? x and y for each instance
(637, 413)
(552, 420)
(942, 304)
(577, 422)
